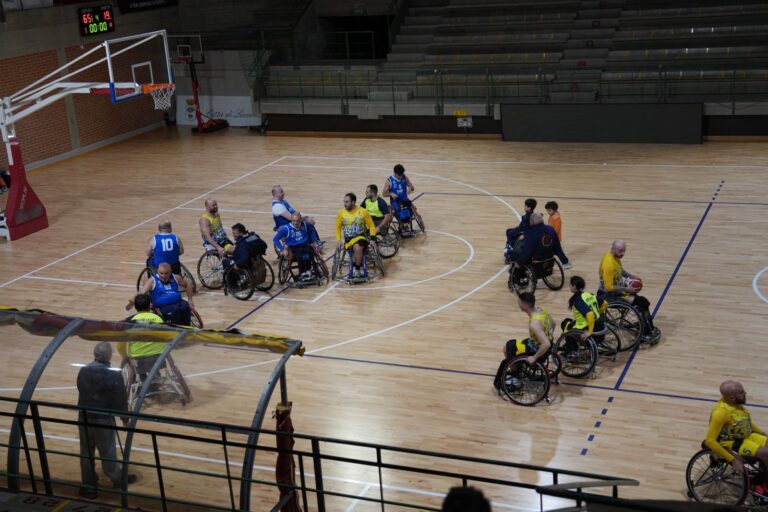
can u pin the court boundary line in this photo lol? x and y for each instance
(671, 280)
(616, 199)
(120, 233)
(755, 286)
(523, 162)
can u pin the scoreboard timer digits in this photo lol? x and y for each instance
(96, 20)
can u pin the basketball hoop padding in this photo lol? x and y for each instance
(24, 212)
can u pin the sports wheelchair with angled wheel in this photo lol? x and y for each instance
(168, 384)
(288, 271)
(711, 479)
(528, 384)
(388, 240)
(210, 270)
(523, 277)
(195, 320)
(342, 268)
(626, 322)
(151, 270)
(403, 217)
(243, 282)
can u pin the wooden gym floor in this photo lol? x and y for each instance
(408, 360)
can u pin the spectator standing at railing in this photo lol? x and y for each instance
(100, 387)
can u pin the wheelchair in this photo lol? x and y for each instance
(169, 383)
(528, 384)
(403, 218)
(149, 271)
(604, 343)
(290, 275)
(210, 270)
(243, 282)
(195, 320)
(523, 277)
(626, 321)
(373, 265)
(711, 479)
(388, 240)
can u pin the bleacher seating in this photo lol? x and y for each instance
(571, 50)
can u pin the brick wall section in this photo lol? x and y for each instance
(97, 118)
(44, 134)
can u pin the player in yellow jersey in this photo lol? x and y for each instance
(212, 230)
(354, 230)
(612, 274)
(732, 434)
(541, 334)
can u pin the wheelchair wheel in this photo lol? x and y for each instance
(129, 378)
(178, 378)
(712, 480)
(523, 383)
(338, 264)
(263, 275)
(521, 279)
(556, 279)
(375, 256)
(188, 277)
(239, 283)
(210, 270)
(144, 276)
(196, 320)
(626, 321)
(609, 343)
(577, 357)
(389, 242)
(283, 272)
(420, 223)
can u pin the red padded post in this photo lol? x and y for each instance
(24, 212)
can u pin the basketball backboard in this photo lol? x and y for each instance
(186, 48)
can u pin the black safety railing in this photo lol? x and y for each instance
(384, 470)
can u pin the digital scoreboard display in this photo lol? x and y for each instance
(96, 20)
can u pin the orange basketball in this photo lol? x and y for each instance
(634, 282)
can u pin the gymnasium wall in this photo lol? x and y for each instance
(643, 123)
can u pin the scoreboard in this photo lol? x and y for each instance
(96, 20)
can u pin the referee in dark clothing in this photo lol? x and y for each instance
(102, 388)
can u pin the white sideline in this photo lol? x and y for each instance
(95, 244)
(756, 287)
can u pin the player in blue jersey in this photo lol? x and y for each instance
(282, 212)
(396, 188)
(165, 247)
(298, 241)
(165, 289)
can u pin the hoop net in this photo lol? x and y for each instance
(162, 94)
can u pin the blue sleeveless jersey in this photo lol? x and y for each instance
(398, 187)
(165, 293)
(293, 237)
(281, 221)
(166, 249)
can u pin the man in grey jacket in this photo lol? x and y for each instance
(100, 387)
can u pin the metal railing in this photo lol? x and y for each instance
(316, 458)
(488, 87)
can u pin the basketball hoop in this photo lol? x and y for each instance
(162, 94)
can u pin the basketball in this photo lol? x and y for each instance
(634, 282)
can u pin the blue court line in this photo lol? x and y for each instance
(671, 280)
(484, 374)
(618, 199)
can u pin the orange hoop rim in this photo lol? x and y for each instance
(148, 88)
